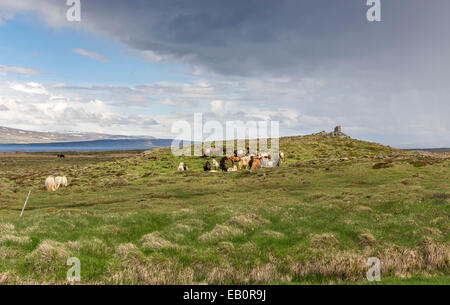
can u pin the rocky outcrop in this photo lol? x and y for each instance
(336, 133)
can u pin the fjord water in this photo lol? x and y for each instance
(98, 145)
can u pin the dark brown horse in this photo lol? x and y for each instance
(223, 164)
(207, 166)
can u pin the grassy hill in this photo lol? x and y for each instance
(131, 218)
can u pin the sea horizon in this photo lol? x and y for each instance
(95, 145)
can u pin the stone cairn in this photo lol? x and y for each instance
(337, 133)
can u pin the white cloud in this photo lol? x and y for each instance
(301, 108)
(176, 102)
(219, 107)
(37, 107)
(149, 55)
(54, 12)
(30, 88)
(164, 93)
(91, 55)
(19, 70)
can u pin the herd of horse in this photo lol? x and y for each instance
(251, 160)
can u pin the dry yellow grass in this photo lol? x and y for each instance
(110, 230)
(367, 239)
(395, 261)
(261, 273)
(8, 252)
(433, 231)
(75, 245)
(4, 278)
(6, 228)
(126, 250)
(324, 240)
(15, 239)
(154, 241)
(266, 273)
(93, 246)
(436, 255)
(137, 269)
(48, 256)
(220, 232)
(225, 247)
(248, 220)
(343, 265)
(183, 227)
(8, 234)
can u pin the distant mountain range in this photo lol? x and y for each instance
(19, 136)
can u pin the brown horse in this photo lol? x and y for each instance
(255, 163)
(223, 164)
(244, 162)
(207, 166)
(234, 159)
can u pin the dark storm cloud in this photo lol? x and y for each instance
(275, 37)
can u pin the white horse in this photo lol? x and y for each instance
(182, 167)
(65, 182)
(58, 181)
(265, 162)
(215, 164)
(61, 181)
(264, 155)
(234, 169)
(281, 156)
(50, 184)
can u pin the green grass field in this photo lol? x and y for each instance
(133, 219)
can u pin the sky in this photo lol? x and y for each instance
(136, 67)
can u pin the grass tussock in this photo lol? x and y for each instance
(8, 234)
(395, 261)
(134, 268)
(264, 273)
(5, 277)
(367, 239)
(324, 240)
(14, 239)
(154, 241)
(248, 220)
(48, 255)
(183, 228)
(381, 165)
(6, 228)
(110, 230)
(8, 253)
(220, 232)
(127, 250)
